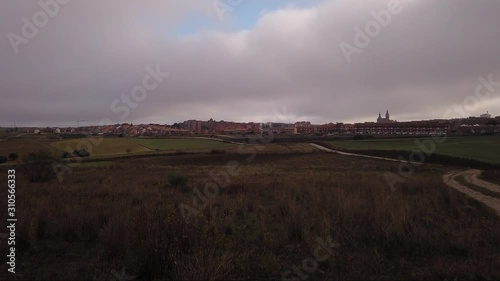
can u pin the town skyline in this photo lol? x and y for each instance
(186, 123)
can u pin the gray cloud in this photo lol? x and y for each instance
(425, 61)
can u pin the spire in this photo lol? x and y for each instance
(387, 114)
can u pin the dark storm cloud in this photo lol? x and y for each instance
(289, 66)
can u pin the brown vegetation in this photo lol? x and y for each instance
(491, 175)
(266, 220)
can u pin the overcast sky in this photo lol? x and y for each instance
(257, 60)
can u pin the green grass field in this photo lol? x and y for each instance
(483, 148)
(127, 146)
(107, 147)
(182, 144)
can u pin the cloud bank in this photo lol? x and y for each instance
(426, 60)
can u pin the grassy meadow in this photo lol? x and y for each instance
(101, 147)
(484, 148)
(186, 144)
(264, 220)
(117, 147)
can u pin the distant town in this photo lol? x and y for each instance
(483, 124)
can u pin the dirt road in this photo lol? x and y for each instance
(359, 155)
(471, 177)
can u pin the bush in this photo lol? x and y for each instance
(180, 152)
(176, 180)
(3, 159)
(82, 153)
(67, 155)
(38, 166)
(218, 151)
(13, 156)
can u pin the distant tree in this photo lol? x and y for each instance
(67, 155)
(13, 156)
(81, 152)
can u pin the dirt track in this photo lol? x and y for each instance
(449, 179)
(471, 177)
(359, 155)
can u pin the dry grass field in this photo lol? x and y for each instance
(129, 216)
(23, 147)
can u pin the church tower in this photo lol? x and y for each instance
(387, 115)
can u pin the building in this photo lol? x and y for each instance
(302, 124)
(290, 130)
(306, 130)
(403, 128)
(476, 120)
(486, 115)
(385, 120)
(194, 125)
(330, 128)
(348, 128)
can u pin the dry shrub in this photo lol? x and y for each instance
(169, 248)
